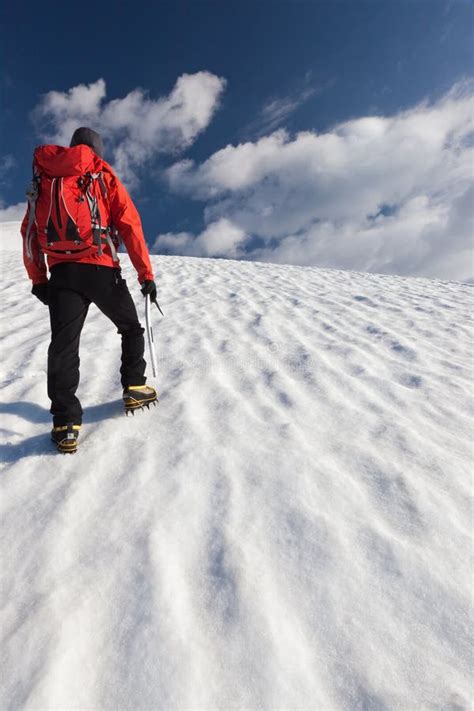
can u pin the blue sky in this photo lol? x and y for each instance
(266, 66)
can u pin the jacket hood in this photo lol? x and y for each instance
(60, 162)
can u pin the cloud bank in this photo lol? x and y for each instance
(136, 127)
(12, 213)
(221, 238)
(384, 194)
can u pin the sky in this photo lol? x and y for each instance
(334, 134)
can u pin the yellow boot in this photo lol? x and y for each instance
(136, 397)
(65, 437)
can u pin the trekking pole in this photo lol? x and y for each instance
(149, 332)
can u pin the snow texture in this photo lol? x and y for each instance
(289, 529)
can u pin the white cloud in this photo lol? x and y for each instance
(175, 242)
(387, 194)
(276, 110)
(12, 213)
(136, 126)
(219, 239)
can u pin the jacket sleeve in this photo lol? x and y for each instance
(33, 257)
(126, 219)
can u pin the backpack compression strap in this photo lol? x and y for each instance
(32, 195)
(99, 231)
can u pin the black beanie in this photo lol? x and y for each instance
(88, 137)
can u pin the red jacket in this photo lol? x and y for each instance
(122, 213)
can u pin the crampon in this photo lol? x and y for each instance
(137, 397)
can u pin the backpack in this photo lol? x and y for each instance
(68, 204)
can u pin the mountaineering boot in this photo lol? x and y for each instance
(65, 437)
(136, 397)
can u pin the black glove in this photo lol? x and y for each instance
(41, 291)
(149, 289)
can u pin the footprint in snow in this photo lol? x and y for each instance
(364, 300)
(410, 381)
(407, 353)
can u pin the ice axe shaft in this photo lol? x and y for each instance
(149, 332)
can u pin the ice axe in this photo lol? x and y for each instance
(149, 332)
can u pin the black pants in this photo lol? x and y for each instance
(72, 288)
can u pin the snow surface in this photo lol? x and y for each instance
(289, 529)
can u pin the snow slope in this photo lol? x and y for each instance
(289, 529)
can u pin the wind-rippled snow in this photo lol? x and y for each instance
(289, 529)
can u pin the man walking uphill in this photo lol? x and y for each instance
(76, 207)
